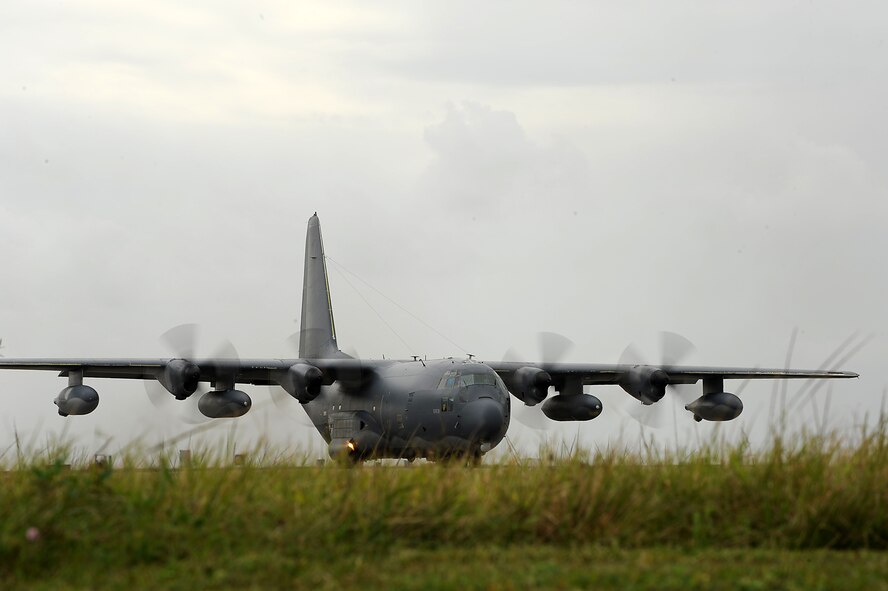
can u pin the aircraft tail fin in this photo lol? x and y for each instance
(317, 331)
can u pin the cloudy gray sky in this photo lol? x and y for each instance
(598, 170)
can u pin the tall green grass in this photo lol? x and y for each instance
(804, 492)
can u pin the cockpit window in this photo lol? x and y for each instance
(501, 385)
(472, 379)
(450, 379)
(458, 379)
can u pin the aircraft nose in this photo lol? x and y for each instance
(483, 419)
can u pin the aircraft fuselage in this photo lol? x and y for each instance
(433, 409)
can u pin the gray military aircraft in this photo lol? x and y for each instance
(365, 409)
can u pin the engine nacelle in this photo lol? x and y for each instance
(302, 382)
(530, 385)
(645, 383)
(224, 404)
(716, 406)
(77, 400)
(180, 378)
(572, 407)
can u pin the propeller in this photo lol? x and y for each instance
(289, 406)
(286, 404)
(553, 348)
(674, 349)
(182, 340)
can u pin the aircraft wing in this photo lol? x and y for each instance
(236, 371)
(596, 374)
(530, 382)
(267, 371)
(302, 379)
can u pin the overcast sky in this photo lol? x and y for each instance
(600, 170)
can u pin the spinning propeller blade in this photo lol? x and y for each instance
(674, 350)
(182, 342)
(553, 348)
(286, 404)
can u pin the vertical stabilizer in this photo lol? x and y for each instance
(317, 332)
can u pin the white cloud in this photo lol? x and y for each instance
(483, 161)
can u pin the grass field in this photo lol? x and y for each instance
(487, 567)
(804, 514)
